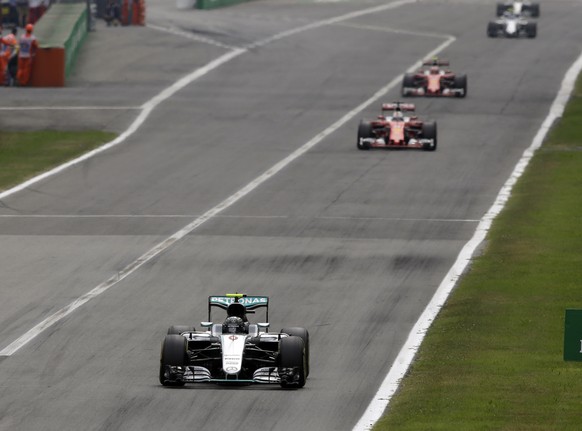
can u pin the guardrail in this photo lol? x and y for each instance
(60, 33)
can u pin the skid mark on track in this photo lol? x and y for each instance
(189, 35)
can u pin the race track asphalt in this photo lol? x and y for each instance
(349, 244)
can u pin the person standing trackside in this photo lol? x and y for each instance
(12, 58)
(28, 47)
(3, 46)
(8, 55)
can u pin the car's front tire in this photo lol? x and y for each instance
(492, 29)
(291, 362)
(429, 131)
(461, 83)
(531, 29)
(407, 82)
(364, 132)
(304, 335)
(174, 353)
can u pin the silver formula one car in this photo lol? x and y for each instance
(524, 8)
(235, 351)
(512, 25)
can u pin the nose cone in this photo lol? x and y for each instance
(233, 346)
(397, 132)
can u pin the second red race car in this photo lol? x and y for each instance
(434, 80)
(397, 127)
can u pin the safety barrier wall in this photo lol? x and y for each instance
(60, 33)
(75, 40)
(212, 4)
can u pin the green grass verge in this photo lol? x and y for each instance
(493, 359)
(26, 154)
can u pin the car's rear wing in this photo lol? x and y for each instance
(250, 303)
(397, 106)
(436, 63)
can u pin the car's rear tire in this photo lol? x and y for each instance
(304, 335)
(461, 82)
(492, 29)
(174, 353)
(364, 132)
(500, 9)
(292, 355)
(429, 131)
(178, 329)
(535, 10)
(531, 29)
(407, 82)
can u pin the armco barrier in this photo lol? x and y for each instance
(60, 33)
(212, 4)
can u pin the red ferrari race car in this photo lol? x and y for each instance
(434, 80)
(393, 129)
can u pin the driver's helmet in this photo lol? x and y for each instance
(434, 70)
(234, 325)
(397, 116)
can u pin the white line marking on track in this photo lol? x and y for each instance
(69, 108)
(329, 21)
(416, 335)
(147, 109)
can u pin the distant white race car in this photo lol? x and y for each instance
(524, 8)
(511, 25)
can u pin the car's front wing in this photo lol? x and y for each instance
(411, 143)
(196, 374)
(421, 91)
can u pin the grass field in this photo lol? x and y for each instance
(493, 359)
(26, 154)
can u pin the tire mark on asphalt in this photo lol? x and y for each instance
(188, 35)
